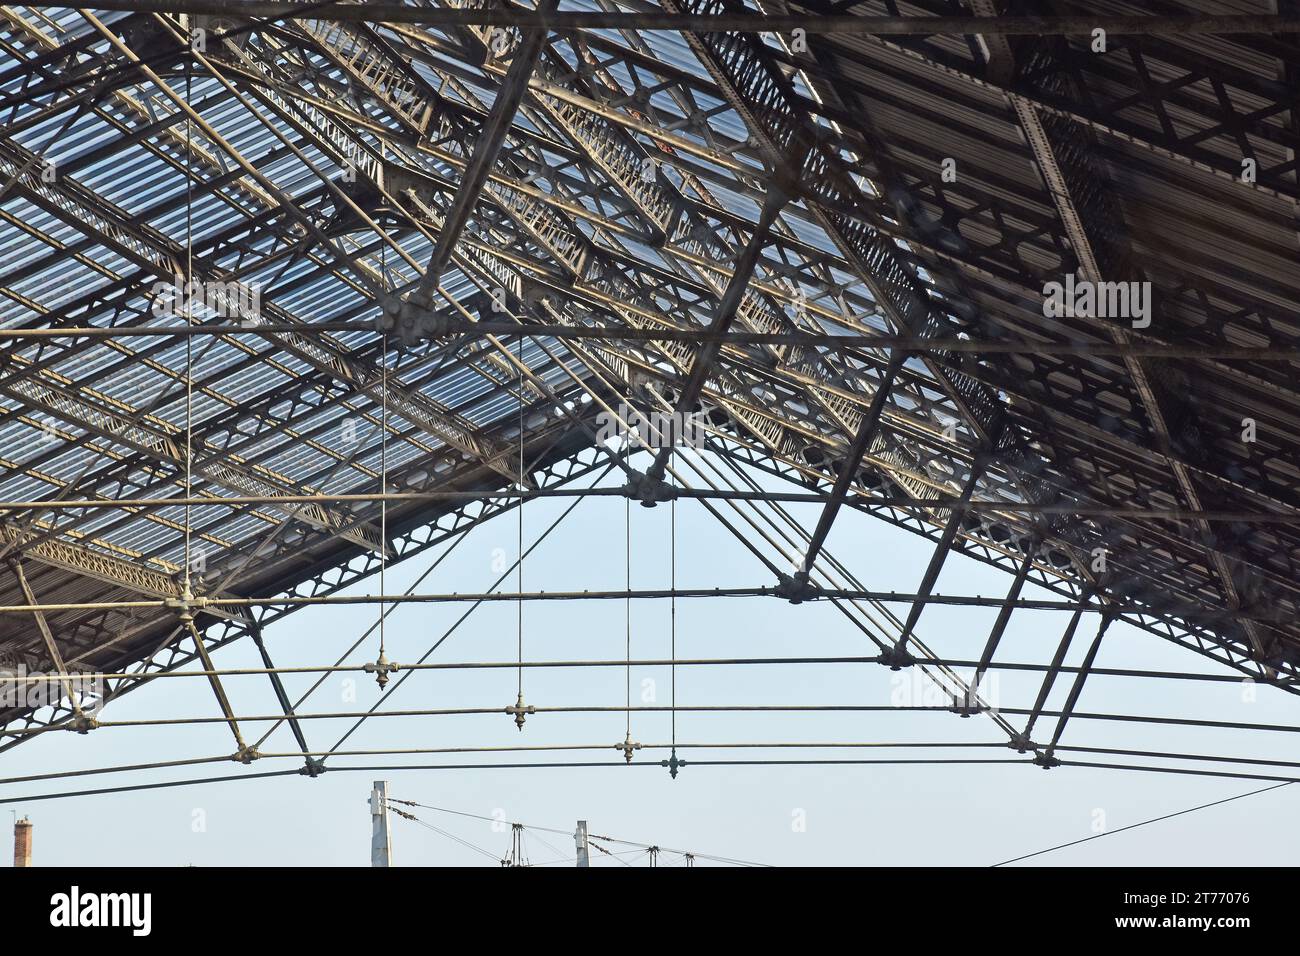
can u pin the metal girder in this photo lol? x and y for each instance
(1054, 148)
(491, 136)
(1216, 554)
(1047, 759)
(558, 467)
(937, 559)
(105, 81)
(1004, 615)
(1049, 678)
(414, 406)
(902, 658)
(51, 646)
(317, 351)
(569, 225)
(1112, 119)
(81, 559)
(1128, 566)
(758, 91)
(122, 424)
(594, 273)
(242, 751)
(988, 550)
(723, 317)
(162, 440)
(87, 561)
(848, 468)
(743, 20)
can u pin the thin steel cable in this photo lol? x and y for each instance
(551, 748)
(627, 604)
(189, 320)
(672, 604)
(519, 565)
(383, 455)
(383, 487)
(1142, 823)
(591, 837)
(555, 765)
(617, 857)
(450, 836)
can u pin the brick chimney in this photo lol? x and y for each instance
(23, 842)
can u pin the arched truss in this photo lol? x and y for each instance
(833, 242)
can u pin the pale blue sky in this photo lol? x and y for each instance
(892, 815)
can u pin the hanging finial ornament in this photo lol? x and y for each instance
(627, 746)
(381, 668)
(519, 710)
(672, 763)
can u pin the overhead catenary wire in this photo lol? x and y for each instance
(562, 832)
(517, 748)
(919, 745)
(567, 511)
(338, 664)
(450, 836)
(1142, 823)
(556, 765)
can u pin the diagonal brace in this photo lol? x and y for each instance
(313, 767)
(899, 656)
(79, 719)
(243, 752)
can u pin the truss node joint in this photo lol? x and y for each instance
(896, 658)
(413, 319)
(1021, 744)
(648, 490)
(185, 606)
(83, 723)
(797, 588)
